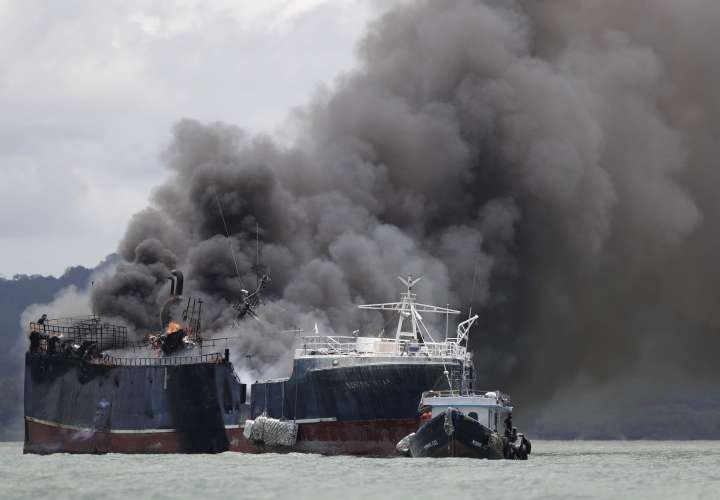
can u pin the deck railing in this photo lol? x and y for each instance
(214, 357)
(500, 396)
(86, 328)
(377, 347)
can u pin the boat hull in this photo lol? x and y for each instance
(73, 406)
(452, 434)
(43, 438)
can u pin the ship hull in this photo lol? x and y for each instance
(353, 407)
(45, 438)
(72, 406)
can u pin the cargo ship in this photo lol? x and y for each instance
(88, 389)
(358, 395)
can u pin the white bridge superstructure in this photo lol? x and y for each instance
(412, 338)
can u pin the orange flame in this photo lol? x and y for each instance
(173, 327)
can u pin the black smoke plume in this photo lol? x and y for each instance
(552, 164)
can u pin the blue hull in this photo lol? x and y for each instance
(360, 390)
(350, 406)
(75, 406)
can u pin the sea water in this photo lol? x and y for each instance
(556, 469)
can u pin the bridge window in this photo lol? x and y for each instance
(473, 415)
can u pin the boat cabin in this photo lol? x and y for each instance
(490, 408)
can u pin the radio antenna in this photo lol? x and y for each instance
(227, 235)
(257, 254)
(472, 292)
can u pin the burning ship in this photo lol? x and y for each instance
(89, 390)
(358, 395)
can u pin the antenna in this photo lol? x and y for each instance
(259, 268)
(250, 300)
(472, 292)
(227, 235)
(447, 321)
(410, 311)
(197, 323)
(409, 282)
(187, 308)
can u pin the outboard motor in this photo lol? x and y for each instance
(519, 447)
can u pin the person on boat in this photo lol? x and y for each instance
(508, 426)
(37, 330)
(43, 322)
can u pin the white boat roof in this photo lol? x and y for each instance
(466, 398)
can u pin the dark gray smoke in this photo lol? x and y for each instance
(550, 163)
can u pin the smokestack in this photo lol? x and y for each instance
(178, 280)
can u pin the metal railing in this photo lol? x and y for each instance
(222, 342)
(214, 357)
(495, 394)
(85, 328)
(378, 347)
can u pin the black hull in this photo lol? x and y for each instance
(452, 434)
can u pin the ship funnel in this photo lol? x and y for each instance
(178, 288)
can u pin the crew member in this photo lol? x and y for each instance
(508, 426)
(43, 322)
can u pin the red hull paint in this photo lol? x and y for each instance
(45, 438)
(362, 438)
(366, 438)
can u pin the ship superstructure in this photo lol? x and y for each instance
(358, 395)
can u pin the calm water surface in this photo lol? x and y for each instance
(557, 469)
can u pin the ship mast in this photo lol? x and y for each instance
(410, 310)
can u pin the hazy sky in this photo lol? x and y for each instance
(90, 90)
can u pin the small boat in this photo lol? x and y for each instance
(465, 423)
